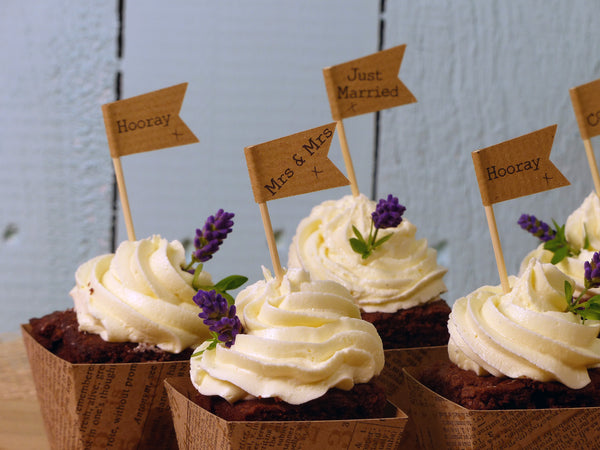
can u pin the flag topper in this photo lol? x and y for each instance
(140, 124)
(292, 165)
(512, 169)
(361, 86)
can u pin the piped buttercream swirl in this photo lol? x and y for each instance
(400, 274)
(527, 332)
(140, 294)
(301, 337)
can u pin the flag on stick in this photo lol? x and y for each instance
(139, 124)
(361, 86)
(291, 165)
(513, 169)
(586, 104)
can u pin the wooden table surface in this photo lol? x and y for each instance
(21, 425)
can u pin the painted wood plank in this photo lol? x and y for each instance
(255, 74)
(58, 63)
(483, 73)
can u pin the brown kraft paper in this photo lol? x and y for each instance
(197, 428)
(393, 380)
(392, 376)
(443, 424)
(100, 406)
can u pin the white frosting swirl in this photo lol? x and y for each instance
(525, 333)
(140, 294)
(301, 338)
(400, 274)
(584, 221)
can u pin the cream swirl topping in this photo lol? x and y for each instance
(583, 222)
(527, 332)
(140, 294)
(400, 274)
(301, 338)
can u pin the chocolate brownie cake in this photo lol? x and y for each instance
(59, 333)
(467, 389)
(364, 401)
(420, 326)
(520, 349)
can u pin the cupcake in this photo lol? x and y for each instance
(530, 355)
(289, 351)
(397, 284)
(393, 277)
(99, 367)
(570, 246)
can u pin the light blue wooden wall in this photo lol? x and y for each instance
(482, 72)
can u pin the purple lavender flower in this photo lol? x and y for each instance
(218, 316)
(536, 227)
(592, 272)
(388, 213)
(213, 306)
(211, 236)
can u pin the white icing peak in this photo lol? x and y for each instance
(526, 332)
(301, 338)
(400, 274)
(584, 221)
(140, 294)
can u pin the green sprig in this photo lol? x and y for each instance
(587, 309)
(222, 286)
(213, 342)
(364, 246)
(559, 245)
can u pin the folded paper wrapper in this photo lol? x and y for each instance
(197, 428)
(393, 379)
(102, 405)
(443, 424)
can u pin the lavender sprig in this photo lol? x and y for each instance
(586, 308)
(220, 317)
(536, 227)
(554, 239)
(387, 214)
(211, 236)
(206, 243)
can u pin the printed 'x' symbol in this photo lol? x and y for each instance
(547, 178)
(317, 172)
(176, 134)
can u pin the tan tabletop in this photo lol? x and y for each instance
(21, 425)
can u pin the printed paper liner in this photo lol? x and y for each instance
(392, 376)
(197, 428)
(393, 380)
(443, 424)
(102, 405)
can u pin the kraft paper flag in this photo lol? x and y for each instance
(293, 165)
(147, 122)
(586, 103)
(517, 167)
(367, 84)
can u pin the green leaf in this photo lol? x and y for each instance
(214, 340)
(569, 292)
(381, 241)
(231, 282)
(560, 254)
(357, 234)
(586, 241)
(359, 246)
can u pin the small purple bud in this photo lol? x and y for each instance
(388, 213)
